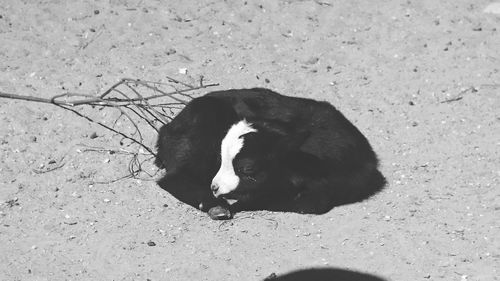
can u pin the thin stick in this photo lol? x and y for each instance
(109, 128)
(158, 114)
(130, 103)
(179, 82)
(460, 95)
(100, 100)
(29, 98)
(39, 171)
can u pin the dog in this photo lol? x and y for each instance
(255, 149)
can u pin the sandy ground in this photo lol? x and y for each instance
(419, 78)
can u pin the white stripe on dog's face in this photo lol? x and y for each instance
(226, 179)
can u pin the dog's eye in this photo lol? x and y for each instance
(246, 170)
(250, 178)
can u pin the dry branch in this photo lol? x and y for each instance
(460, 95)
(144, 106)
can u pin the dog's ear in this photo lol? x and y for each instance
(272, 127)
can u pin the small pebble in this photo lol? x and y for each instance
(170, 51)
(151, 243)
(183, 70)
(96, 12)
(93, 135)
(106, 200)
(219, 213)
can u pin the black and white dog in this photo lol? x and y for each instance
(254, 149)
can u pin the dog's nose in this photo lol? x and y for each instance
(214, 188)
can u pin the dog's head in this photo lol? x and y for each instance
(250, 159)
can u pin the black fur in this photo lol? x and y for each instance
(305, 157)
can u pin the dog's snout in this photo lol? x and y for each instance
(214, 188)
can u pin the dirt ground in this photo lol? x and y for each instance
(419, 78)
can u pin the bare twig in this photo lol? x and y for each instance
(43, 171)
(179, 82)
(134, 169)
(460, 95)
(50, 169)
(452, 99)
(97, 35)
(88, 148)
(138, 102)
(100, 101)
